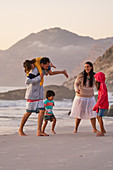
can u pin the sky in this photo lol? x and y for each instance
(19, 18)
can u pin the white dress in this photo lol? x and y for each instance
(82, 107)
(84, 102)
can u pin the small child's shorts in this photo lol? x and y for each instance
(101, 112)
(34, 105)
(49, 117)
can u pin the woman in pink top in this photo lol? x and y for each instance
(84, 100)
(102, 102)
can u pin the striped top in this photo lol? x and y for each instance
(85, 91)
(49, 106)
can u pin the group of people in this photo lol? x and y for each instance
(84, 104)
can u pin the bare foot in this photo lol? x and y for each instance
(42, 134)
(21, 133)
(100, 134)
(95, 131)
(103, 131)
(53, 131)
(45, 134)
(75, 130)
(65, 73)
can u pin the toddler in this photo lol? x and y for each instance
(49, 116)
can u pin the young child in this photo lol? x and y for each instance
(49, 116)
(37, 62)
(102, 102)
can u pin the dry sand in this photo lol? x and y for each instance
(63, 151)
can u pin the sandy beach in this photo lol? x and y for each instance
(62, 151)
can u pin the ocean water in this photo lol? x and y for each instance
(11, 112)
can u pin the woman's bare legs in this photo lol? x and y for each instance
(93, 122)
(77, 122)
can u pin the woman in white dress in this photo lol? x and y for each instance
(84, 100)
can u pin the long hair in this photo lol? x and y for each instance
(91, 74)
(97, 84)
(27, 65)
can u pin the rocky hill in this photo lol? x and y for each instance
(61, 93)
(64, 48)
(103, 63)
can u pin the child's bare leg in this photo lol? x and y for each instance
(44, 126)
(65, 73)
(93, 122)
(23, 121)
(102, 129)
(53, 126)
(40, 120)
(77, 122)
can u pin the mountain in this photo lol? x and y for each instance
(103, 64)
(65, 49)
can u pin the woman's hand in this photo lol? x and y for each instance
(78, 91)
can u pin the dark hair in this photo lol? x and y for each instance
(27, 65)
(91, 75)
(50, 93)
(33, 61)
(45, 60)
(97, 83)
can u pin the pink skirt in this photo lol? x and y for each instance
(82, 107)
